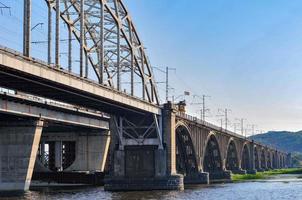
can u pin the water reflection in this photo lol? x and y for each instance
(280, 187)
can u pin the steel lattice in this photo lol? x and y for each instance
(109, 43)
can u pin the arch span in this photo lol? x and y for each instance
(212, 159)
(186, 162)
(245, 158)
(232, 162)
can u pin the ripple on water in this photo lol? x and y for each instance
(284, 187)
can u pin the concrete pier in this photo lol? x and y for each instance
(19, 143)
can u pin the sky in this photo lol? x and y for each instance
(245, 55)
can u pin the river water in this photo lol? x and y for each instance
(285, 187)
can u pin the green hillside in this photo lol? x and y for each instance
(284, 140)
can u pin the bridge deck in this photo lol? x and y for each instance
(23, 106)
(35, 77)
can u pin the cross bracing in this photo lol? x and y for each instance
(108, 44)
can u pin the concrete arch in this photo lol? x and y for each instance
(186, 162)
(212, 160)
(245, 157)
(232, 160)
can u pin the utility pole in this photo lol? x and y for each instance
(252, 128)
(235, 127)
(167, 82)
(242, 126)
(226, 112)
(26, 27)
(167, 79)
(203, 104)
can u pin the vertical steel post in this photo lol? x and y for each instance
(167, 84)
(49, 32)
(118, 26)
(82, 34)
(101, 45)
(57, 53)
(69, 49)
(132, 59)
(143, 74)
(118, 45)
(86, 65)
(26, 27)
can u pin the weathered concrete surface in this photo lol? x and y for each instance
(91, 149)
(19, 142)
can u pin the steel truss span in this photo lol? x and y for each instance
(105, 40)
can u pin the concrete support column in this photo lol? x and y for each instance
(19, 143)
(169, 113)
(146, 167)
(58, 155)
(252, 169)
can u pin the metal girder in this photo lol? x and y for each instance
(145, 131)
(110, 44)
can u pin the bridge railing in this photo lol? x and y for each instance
(207, 124)
(217, 128)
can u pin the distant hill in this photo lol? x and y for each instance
(283, 140)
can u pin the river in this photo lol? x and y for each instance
(285, 187)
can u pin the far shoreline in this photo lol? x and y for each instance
(265, 174)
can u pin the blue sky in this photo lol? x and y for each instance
(247, 55)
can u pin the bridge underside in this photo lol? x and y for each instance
(34, 135)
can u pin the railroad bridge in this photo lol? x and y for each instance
(194, 152)
(102, 114)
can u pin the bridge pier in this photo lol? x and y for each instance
(19, 143)
(252, 165)
(142, 165)
(238, 171)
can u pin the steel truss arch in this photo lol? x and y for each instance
(110, 44)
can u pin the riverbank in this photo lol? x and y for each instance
(266, 174)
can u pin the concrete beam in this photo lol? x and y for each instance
(14, 105)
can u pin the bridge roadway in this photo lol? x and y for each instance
(28, 122)
(36, 77)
